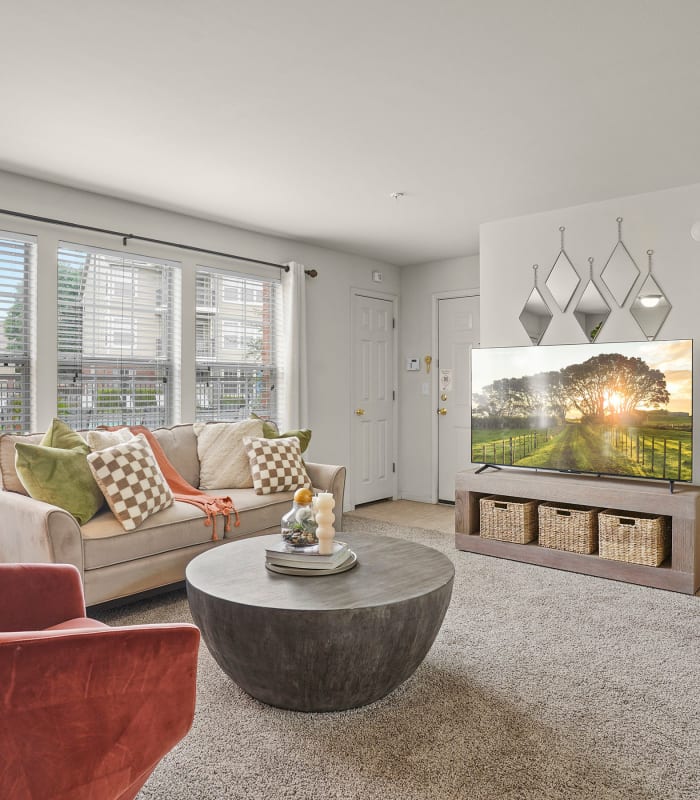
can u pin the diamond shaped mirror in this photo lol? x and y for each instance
(651, 306)
(563, 280)
(536, 315)
(620, 271)
(592, 309)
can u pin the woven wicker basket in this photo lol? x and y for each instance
(633, 537)
(510, 519)
(567, 527)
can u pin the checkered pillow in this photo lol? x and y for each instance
(131, 481)
(276, 465)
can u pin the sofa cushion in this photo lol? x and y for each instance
(64, 437)
(60, 477)
(181, 525)
(276, 465)
(99, 439)
(223, 460)
(303, 435)
(131, 481)
(271, 431)
(179, 444)
(8, 471)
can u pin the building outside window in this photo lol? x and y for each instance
(17, 280)
(116, 337)
(237, 346)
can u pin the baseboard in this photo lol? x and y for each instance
(417, 498)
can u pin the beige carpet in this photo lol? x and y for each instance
(541, 684)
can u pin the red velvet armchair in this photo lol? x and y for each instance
(86, 711)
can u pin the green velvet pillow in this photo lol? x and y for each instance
(271, 431)
(64, 437)
(303, 435)
(60, 474)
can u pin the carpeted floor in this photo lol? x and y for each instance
(541, 684)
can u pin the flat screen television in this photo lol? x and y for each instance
(623, 409)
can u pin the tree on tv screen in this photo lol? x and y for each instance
(606, 385)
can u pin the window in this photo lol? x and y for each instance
(237, 345)
(17, 271)
(204, 337)
(116, 338)
(240, 290)
(233, 338)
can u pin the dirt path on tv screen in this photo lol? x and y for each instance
(583, 448)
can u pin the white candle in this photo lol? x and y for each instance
(324, 520)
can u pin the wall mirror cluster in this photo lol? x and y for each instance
(650, 306)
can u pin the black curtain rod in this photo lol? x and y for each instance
(312, 273)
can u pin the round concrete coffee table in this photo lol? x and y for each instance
(320, 643)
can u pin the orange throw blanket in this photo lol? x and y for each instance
(183, 491)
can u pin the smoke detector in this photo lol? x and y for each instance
(397, 195)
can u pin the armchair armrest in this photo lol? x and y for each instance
(329, 478)
(35, 596)
(93, 711)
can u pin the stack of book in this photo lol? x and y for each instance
(285, 556)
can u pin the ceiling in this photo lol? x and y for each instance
(301, 118)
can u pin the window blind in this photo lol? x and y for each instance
(237, 330)
(17, 275)
(117, 342)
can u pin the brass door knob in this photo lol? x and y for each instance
(442, 411)
(359, 411)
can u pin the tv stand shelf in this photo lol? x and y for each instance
(679, 573)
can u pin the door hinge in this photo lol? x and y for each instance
(393, 466)
(393, 394)
(393, 322)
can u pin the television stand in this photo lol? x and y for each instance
(679, 573)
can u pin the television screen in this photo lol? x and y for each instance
(608, 409)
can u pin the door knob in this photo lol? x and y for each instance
(359, 411)
(442, 411)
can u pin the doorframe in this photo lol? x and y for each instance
(394, 299)
(434, 393)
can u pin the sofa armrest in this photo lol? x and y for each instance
(32, 531)
(329, 478)
(36, 596)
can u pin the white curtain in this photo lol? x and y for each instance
(294, 411)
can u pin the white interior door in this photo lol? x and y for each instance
(458, 332)
(372, 400)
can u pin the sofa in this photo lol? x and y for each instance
(115, 563)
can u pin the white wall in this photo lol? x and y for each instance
(328, 295)
(659, 221)
(420, 284)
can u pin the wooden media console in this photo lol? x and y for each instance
(681, 570)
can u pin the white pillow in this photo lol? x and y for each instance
(99, 440)
(223, 457)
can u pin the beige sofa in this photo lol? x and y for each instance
(115, 563)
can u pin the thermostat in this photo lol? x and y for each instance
(413, 364)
